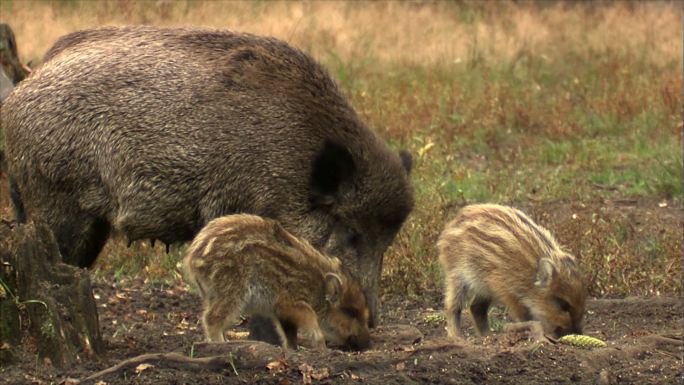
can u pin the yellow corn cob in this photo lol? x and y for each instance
(582, 341)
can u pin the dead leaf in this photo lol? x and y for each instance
(306, 370)
(142, 367)
(277, 366)
(320, 374)
(4, 346)
(183, 324)
(400, 366)
(34, 380)
(422, 151)
(100, 383)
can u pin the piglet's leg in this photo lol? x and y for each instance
(479, 309)
(218, 316)
(517, 310)
(301, 315)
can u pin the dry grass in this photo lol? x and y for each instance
(418, 33)
(510, 103)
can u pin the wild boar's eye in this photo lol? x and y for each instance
(563, 304)
(354, 239)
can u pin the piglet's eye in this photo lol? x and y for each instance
(563, 304)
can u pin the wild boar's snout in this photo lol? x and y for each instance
(373, 300)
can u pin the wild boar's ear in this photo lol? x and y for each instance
(546, 272)
(333, 288)
(406, 160)
(332, 167)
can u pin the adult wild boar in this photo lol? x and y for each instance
(153, 132)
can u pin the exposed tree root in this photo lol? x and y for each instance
(231, 355)
(175, 360)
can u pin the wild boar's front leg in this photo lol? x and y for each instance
(302, 316)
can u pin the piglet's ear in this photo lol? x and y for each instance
(546, 272)
(406, 161)
(332, 167)
(333, 288)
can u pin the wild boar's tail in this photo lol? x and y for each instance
(17, 204)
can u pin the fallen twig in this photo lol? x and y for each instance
(182, 361)
(226, 355)
(667, 354)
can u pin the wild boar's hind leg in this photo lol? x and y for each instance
(80, 236)
(17, 203)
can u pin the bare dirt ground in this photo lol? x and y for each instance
(643, 336)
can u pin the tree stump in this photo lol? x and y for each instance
(47, 306)
(9, 56)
